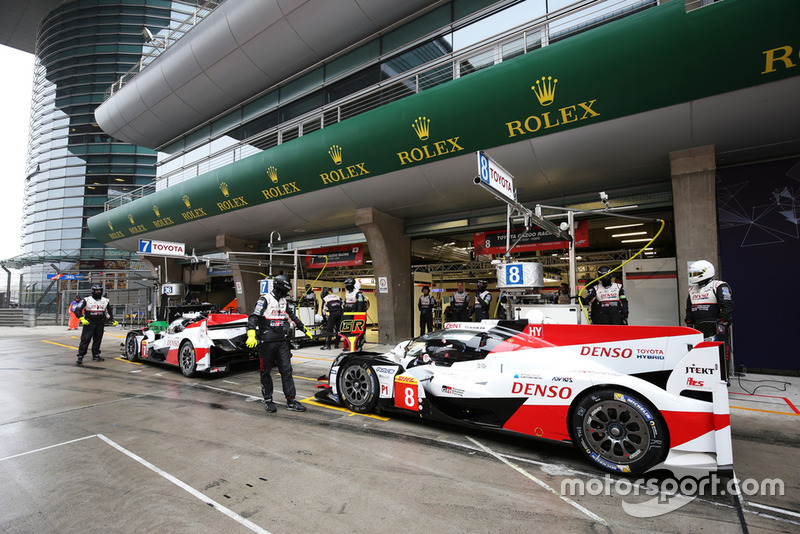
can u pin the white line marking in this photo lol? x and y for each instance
(45, 448)
(774, 509)
(542, 484)
(208, 500)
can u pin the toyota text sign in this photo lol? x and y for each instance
(161, 248)
(495, 176)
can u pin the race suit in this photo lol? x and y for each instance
(332, 308)
(609, 304)
(459, 303)
(355, 301)
(483, 300)
(270, 315)
(95, 311)
(709, 302)
(425, 306)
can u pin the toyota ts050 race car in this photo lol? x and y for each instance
(630, 398)
(195, 342)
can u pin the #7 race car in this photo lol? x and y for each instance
(195, 342)
(630, 398)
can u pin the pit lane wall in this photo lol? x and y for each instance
(657, 58)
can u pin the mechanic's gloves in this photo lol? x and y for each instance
(114, 323)
(83, 321)
(251, 339)
(308, 333)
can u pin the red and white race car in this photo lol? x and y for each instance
(195, 342)
(630, 398)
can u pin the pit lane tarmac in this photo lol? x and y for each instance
(115, 446)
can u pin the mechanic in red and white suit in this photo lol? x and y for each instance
(709, 300)
(269, 316)
(608, 300)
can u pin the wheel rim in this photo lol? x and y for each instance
(130, 347)
(615, 431)
(187, 358)
(355, 385)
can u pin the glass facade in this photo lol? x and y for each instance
(453, 40)
(73, 167)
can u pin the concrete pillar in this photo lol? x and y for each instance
(390, 250)
(246, 283)
(694, 197)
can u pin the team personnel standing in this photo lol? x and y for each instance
(355, 301)
(309, 299)
(269, 316)
(459, 303)
(332, 311)
(483, 299)
(425, 306)
(608, 300)
(709, 300)
(73, 319)
(92, 313)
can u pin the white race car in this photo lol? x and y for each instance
(629, 397)
(195, 342)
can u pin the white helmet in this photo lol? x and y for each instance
(700, 271)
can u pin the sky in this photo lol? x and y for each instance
(15, 95)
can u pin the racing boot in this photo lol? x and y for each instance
(295, 406)
(97, 358)
(79, 361)
(270, 406)
(325, 347)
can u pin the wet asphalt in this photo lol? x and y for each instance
(116, 446)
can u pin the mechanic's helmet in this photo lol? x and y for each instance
(281, 286)
(700, 271)
(604, 276)
(350, 283)
(325, 291)
(97, 291)
(482, 285)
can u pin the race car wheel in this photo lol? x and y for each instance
(187, 359)
(618, 431)
(131, 347)
(358, 387)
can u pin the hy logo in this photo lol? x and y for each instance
(545, 90)
(155, 210)
(272, 172)
(422, 127)
(130, 218)
(224, 188)
(335, 153)
(186, 201)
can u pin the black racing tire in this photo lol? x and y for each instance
(187, 359)
(131, 347)
(619, 431)
(358, 387)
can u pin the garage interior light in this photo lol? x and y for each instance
(628, 234)
(632, 225)
(635, 240)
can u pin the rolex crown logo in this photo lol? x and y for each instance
(186, 201)
(545, 90)
(224, 188)
(155, 210)
(272, 172)
(111, 226)
(422, 125)
(336, 154)
(130, 218)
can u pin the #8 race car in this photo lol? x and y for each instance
(195, 342)
(630, 398)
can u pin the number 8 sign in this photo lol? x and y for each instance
(514, 274)
(405, 393)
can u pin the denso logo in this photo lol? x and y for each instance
(539, 390)
(608, 352)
